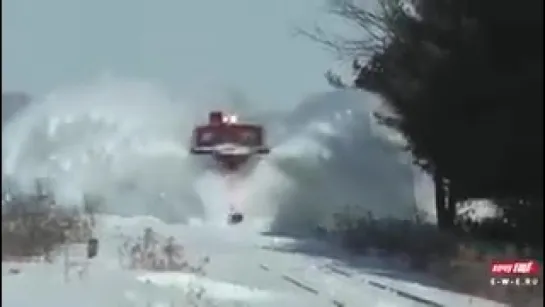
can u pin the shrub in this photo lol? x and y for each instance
(33, 226)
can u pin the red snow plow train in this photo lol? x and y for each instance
(231, 144)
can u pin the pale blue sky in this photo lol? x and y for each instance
(244, 44)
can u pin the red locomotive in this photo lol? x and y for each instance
(230, 144)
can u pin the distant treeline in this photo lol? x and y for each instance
(12, 102)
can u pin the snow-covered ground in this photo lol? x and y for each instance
(245, 269)
(126, 143)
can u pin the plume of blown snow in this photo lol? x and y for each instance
(329, 154)
(126, 141)
(118, 139)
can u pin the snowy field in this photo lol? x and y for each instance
(243, 270)
(126, 142)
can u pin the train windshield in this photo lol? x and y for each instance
(245, 137)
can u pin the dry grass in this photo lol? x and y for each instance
(153, 252)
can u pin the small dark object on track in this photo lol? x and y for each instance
(235, 218)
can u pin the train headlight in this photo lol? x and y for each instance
(230, 119)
